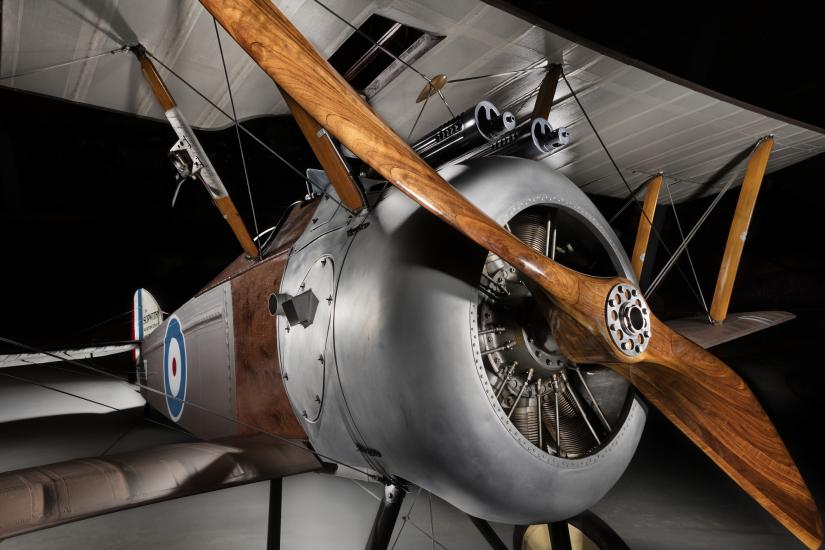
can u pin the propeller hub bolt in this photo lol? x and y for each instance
(628, 319)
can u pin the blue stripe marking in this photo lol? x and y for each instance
(140, 314)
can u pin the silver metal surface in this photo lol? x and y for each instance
(628, 319)
(332, 433)
(406, 390)
(305, 346)
(201, 165)
(207, 327)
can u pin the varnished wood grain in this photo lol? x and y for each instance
(260, 396)
(158, 87)
(347, 188)
(637, 260)
(547, 91)
(224, 204)
(754, 173)
(671, 362)
(715, 409)
(233, 218)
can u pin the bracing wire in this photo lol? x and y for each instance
(101, 323)
(186, 402)
(687, 251)
(237, 130)
(58, 390)
(672, 261)
(420, 112)
(496, 75)
(630, 190)
(383, 49)
(249, 133)
(114, 51)
(405, 518)
(364, 35)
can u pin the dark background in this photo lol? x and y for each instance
(85, 213)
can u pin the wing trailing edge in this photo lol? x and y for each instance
(701, 332)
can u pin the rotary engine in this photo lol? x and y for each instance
(425, 357)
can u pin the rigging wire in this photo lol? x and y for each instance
(420, 112)
(67, 63)
(687, 251)
(249, 133)
(101, 323)
(371, 40)
(237, 131)
(658, 280)
(58, 390)
(383, 49)
(627, 185)
(508, 73)
(405, 519)
(425, 533)
(185, 402)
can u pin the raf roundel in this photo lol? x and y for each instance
(174, 368)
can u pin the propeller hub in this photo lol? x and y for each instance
(628, 319)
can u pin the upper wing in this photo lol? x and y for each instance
(649, 123)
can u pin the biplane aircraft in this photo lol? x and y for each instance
(446, 309)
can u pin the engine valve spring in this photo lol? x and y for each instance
(531, 229)
(576, 440)
(526, 421)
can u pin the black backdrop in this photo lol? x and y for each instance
(85, 213)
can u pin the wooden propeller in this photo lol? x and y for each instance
(701, 395)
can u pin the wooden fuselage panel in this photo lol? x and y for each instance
(232, 381)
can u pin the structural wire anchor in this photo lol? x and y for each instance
(188, 155)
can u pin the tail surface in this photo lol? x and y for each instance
(146, 317)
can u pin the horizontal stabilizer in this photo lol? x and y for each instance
(45, 496)
(737, 325)
(17, 359)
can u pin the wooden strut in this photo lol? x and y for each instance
(754, 174)
(696, 391)
(349, 191)
(637, 259)
(547, 92)
(215, 187)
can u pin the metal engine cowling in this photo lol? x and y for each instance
(391, 373)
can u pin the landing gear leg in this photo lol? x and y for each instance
(273, 533)
(488, 533)
(559, 535)
(385, 518)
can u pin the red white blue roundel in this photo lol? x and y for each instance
(174, 368)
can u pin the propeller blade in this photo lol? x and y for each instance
(714, 408)
(581, 301)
